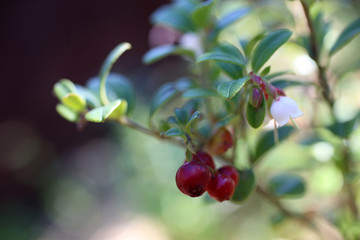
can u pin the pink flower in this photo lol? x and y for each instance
(284, 108)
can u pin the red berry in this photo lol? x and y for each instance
(231, 172)
(193, 178)
(221, 187)
(220, 142)
(204, 158)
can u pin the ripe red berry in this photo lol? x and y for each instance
(204, 158)
(231, 172)
(193, 178)
(221, 187)
(220, 142)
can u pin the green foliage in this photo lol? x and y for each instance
(267, 47)
(344, 129)
(106, 67)
(160, 52)
(256, 116)
(349, 33)
(201, 15)
(66, 113)
(245, 186)
(266, 141)
(199, 93)
(113, 110)
(74, 101)
(224, 53)
(287, 186)
(230, 88)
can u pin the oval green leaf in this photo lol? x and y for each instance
(192, 120)
(202, 13)
(224, 53)
(174, 132)
(267, 47)
(199, 93)
(230, 88)
(266, 141)
(66, 113)
(256, 116)
(74, 101)
(287, 186)
(232, 70)
(344, 129)
(157, 53)
(113, 110)
(346, 36)
(63, 87)
(245, 186)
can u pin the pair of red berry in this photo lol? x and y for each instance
(199, 175)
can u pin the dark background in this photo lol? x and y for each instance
(41, 42)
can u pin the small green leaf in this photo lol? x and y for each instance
(230, 88)
(228, 19)
(66, 113)
(321, 29)
(107, 65)
(224, 53)
(175, 16)
(245, 186)
(287, 185)
(113, 110)
(117, 87)
(181, 115)
(199, 93)
(344, 129)
(284, 83)
(266, 141)
(276, 74)
(157, 53)
(174, 132)
(265, 71)
(74, 101)
(92, 99)
(346, 36)
(167, 92)
(267, 47)
(232, 70)
(63, 87)
(202, 13)
(256, 116)
(189, 124)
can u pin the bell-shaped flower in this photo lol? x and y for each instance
(284, 108)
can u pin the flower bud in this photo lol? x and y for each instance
(256, 97)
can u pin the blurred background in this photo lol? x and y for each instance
(106, 182)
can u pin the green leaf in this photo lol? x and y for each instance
(265, 71)
(66, 113)
(106, 67)
(199, 93)
(174, 15)
(113, 110)
(181, 115)
(256, 116)
(321, 29)
(287, 185)
(224, 53)
(344, 129)
(91, 98)
(157, 53)
(284, 83)
(167, 92)
(117, 87)
(74, 101)
(202, 13)
(227, 20)
(266, 141)
(232, 70)
(63, 87)
(277, 74)
(174, 132)
(346, 36)
(189, 124)
(230, 88)
(267, 47)
(245, 186)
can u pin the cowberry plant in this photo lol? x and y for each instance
(234, 109)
